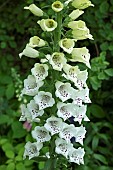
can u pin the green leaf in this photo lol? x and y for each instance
(4, 119)
(95, 82)
(41, 165)
(97, 111)
(18, 131)
(11, 166)
(100, 157)
(3, 44)
(95, 142)
(20, 166)
(109, 71)
(104, 7)
(102, 76)
(10, 91)
(2, 167)
(10, 154)
(7, 146)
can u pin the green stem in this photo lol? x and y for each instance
(57, 32)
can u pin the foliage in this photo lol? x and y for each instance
(16, 27)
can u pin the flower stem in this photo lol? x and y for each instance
(57, 32)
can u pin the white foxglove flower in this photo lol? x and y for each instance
(81, 79)
(63, 90)
(79, 34)
(44, 100)
(80, 25)
(76, 155)
(71, 72)
(57, 60)
(29, 52)
(75, 14)
(80, 134)
(53, 125)
(41, 134)
(67, 45)
(81, 4)
(40, 71)
(36, 42)
(65, 110)
(80, 96)
(35, 10)
(81, 55)
(32, 149)
(67, 132)
(57, 6)
(47, 24)
(25, 114)
(34, 109)
(62, 147)
(79, 113)
(30, 86)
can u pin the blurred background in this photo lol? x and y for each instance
(16, 27)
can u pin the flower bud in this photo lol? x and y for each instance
(35, 10)
(75, 14)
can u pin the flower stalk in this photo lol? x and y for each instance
(58, 89)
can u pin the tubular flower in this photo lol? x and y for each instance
(57, 60)
(65, 110)
(63, 90)
(81, 55)
(80, 113)
(76, 155)
(40, 71)
(35, 10)
(34, 109)
(44, 100)
(36, 42)
(47, 24)
(81, 4)
(32, 149)
(79, 30)
(80, 96)
(31, 86)
(29, 52)
(67, 132)
(41, 134)
(62, 147)
(57, 6)
(53, 125)
(67, 45)
(75, 14)
(80, 134)
(25, 113)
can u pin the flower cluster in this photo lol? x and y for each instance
(58, 88)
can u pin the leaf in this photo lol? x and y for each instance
(2, 167)
(102, 76)
(20, 166)
(95, 142)
(10, 91)
(10, 154)
(95, 82)
(104, 7)
(100, 157)
(97, 111)
(109, 71)
(11, 166)
(18, 131)
(41, 165)
(4, 119)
